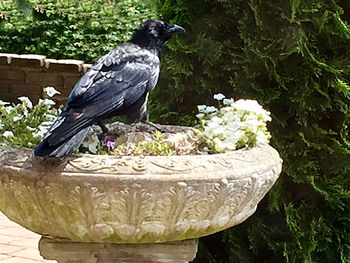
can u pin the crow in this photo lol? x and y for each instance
(117, 84)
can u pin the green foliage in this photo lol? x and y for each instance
(23, 124)
(85, 29)
(156, 147)
(294, 58)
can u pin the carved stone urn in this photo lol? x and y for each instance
(102, 208)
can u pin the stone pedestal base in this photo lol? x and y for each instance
(70, 252)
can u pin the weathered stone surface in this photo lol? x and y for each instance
(5, 58)
(86, 67)
(28, 61)
(171, 252)
(64, 65)
(135, 199)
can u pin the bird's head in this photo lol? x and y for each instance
(154, 33)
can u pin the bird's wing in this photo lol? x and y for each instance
(114, 82)
(111, 67)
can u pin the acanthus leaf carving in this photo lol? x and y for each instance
(105, 199)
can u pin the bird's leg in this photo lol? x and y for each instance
(145, 119)
(104, 130)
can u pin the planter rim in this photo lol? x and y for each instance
(236, 164)
(135, 199)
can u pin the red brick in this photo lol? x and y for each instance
(4, 86)
(9, 97)
(24, 250)
(60, 100)
(26, 89)
(12, 74)
(44, 78)
(64, 65)
(69, 82)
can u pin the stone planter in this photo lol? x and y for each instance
(152, 199)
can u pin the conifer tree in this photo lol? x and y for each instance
(294, 58)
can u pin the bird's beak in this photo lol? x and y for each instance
(175, 28)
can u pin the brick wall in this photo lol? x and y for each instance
(27, 75)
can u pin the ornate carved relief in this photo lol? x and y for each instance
(133, 199)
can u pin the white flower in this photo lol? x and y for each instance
(8, 134)
(30, 128)
(46, 123)
(42, 129)
(201, 108)
(4, 103)
(200, 115)
(47, 102)
(50, 117)
(219, 131)
(210, 109)
(228, 101)
(9, 109)
(219, 96)
(249, 105)
(26, 101)
(40, 134)
(216, 120)
(237, 124)
(51, 91)
(17, 118)
(219, 146)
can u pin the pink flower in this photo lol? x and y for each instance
(110, 145)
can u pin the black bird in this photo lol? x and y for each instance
(117, 84)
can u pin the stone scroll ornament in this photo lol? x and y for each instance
(135, 199)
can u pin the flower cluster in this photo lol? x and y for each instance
(234, 125)
(25, 125)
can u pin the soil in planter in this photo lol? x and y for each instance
(148, 139)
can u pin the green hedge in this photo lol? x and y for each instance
(294, 58)
(84, 29)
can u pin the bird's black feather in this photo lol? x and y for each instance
(118, 83)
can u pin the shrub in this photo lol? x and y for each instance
(293, 57)
(25, 124)
(85, 29)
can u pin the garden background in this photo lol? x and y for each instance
(292, 56)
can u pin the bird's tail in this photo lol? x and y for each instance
(44, 149)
